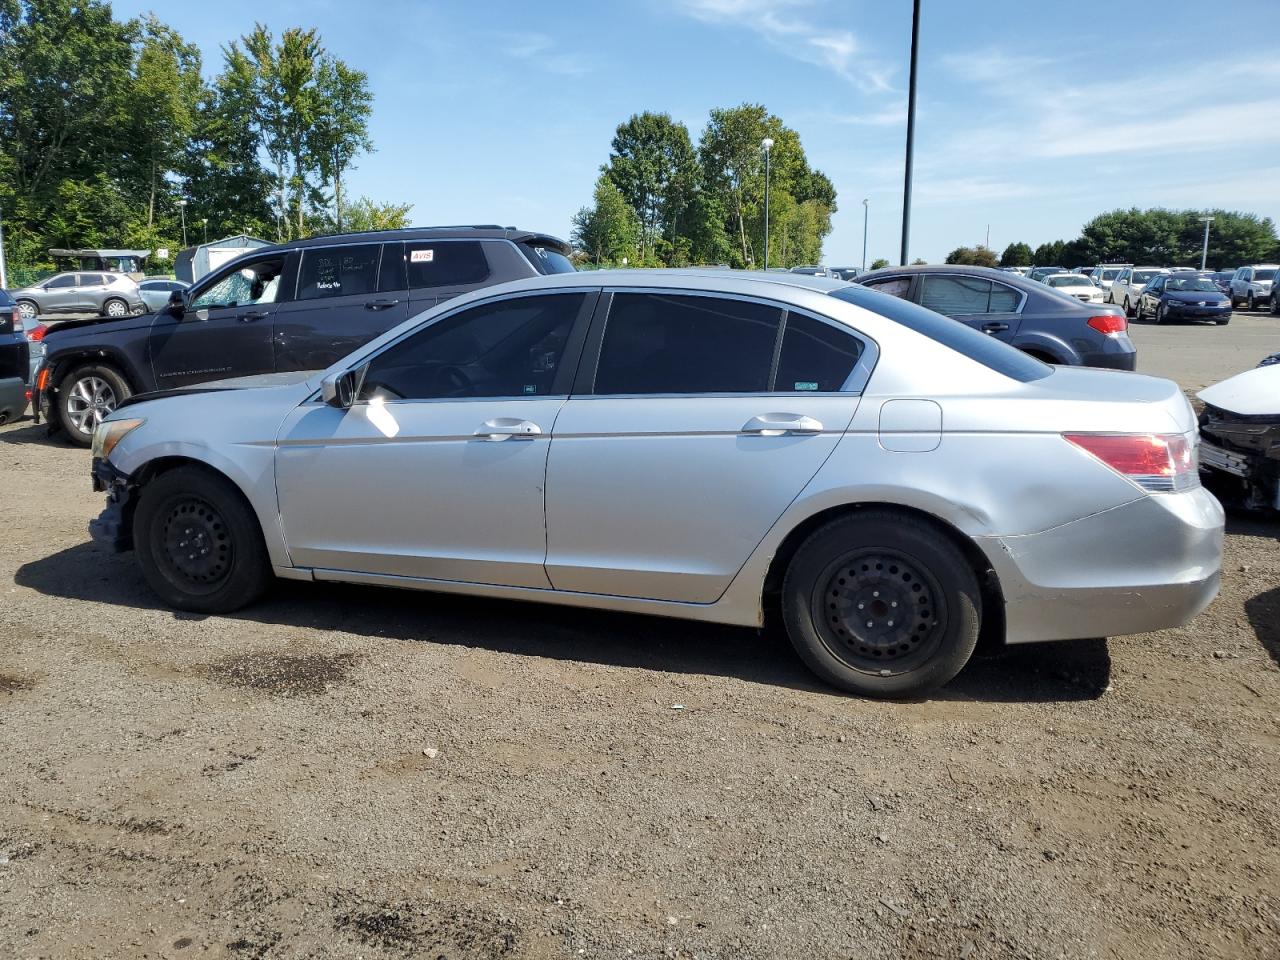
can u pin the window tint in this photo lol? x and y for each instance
(546, 260)
(92, 280)
(988, 351)
(657, 343)
(959, 296)
(815, 356)
(66, 280)
(338, 271)
(508, 348)
(1004, 299)
(446, 263)
(392, 277)
(1264, 275)
(895, 287)
(252, 283)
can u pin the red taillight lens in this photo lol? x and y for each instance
(1109, 323)
(1159, 462)
(37, 333)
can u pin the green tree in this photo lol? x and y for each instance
(1049, 254)
(365, 214)
(340, 129)
(977, 255)
(652, 164)
(609, 230)
(878, 263)
(1016, 255)
(919, 262)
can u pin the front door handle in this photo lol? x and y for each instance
(254, 315)
(508, 428)
(380, 304)
(781, 425)
(994, 327)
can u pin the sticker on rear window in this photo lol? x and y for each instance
(806, 385)
(421, 256)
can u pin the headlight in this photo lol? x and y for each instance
(110, 432)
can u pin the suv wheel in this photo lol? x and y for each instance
(882, 605)
(86, 396)
(1128, 309)
(1250, 303)
(1274, 308)
(28, 309)
(115, 307)
(199, 543)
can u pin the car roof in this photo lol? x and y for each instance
(483, 231)
(742, 281)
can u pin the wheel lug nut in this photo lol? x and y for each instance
(870, 623)
(861, 605)
(894, 603)
(875, 593)
(891, 623)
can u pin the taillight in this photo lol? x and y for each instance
(1159, 462)
(1109, 323)
(37, 332)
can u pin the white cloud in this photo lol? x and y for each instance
(539, 49)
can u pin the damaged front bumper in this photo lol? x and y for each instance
(114, 526)
(1240, 457)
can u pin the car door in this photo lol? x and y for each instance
(696, 420)
(979, 302)
(226, 327)
(337, 306)
(1149, 299)
(437, 470)
(60, 294)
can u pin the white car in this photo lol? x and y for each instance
(1104, 274)
(1239, 436)
(1075, 285)
(1251, 286)
(1129, 284)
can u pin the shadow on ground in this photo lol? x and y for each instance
(1054, 672)
(29, 432)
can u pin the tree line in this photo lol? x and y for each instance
(1158, 237)
(105, 125)
(661, 201)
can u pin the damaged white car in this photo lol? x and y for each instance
(1240, 438)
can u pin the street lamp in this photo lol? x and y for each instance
(866, 205)
(911, 132)
(182, 211)
(767, 143)
(1204, 252)
(204, 222)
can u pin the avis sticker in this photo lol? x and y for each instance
(421, 256)
(806, 385)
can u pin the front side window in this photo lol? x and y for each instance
(338, 271)
(252, 283)
(62, 282)
(507, 348)
(445, 263)
(816, 357)
(1144, 276)
(665, 343)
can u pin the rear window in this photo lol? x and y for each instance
(988, 351)
(547, 260)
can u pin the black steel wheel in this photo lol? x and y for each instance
(883, 604)
(199, 542)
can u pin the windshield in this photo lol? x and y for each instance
(1144, 276)
(546, 260)
(1110, 274)
(1072, 281)
(1264, 274)
(1192, 285)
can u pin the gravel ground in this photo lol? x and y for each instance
(361, 773)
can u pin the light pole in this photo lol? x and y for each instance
(204, 224)
(4, 276)
(182, 211)
(1204, 252)
(866, 205)
(911, 132)
(767, 143)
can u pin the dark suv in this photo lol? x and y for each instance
(296, 306)
(1034, 317)
(13, 360)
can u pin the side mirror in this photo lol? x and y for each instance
(341, 389)
(177, 303)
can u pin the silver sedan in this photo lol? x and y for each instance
(696, 445)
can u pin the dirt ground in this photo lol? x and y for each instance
(363, 773)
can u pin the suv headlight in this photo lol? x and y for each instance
(110, 432)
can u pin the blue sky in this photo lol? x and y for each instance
(1032, 117)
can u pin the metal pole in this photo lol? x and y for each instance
(182, 212)
(911, 131)
(4, 272)
(766, 208)
(866, 205)
(1204, 252)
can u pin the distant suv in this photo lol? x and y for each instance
(1251, 286)
(1129, 284)
(296, 306)
(14, 369)
(108, 294)
(1032, 316)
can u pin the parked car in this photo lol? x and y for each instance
(1032, 316)
(14, 362)
(34, 331)
(900, 482)
(845, 273)
(812, 271)
(1105, 273)
(1039, 273)
(156, 292)
(1251, 285)
(106, 294)
(1183, 296)
(1240, 437)
(1074, 285)
(298, 306)
(1223, 280)
(1128, 285)
(1270, 360)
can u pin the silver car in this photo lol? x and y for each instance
(692, 444)
(156, 291)
(107, 294)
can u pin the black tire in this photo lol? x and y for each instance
(1162, 314)
(121, 306)
(1137, 313)
(33, 311)
(1223, 322)
(85, 396)
(194, 509)
(886, 561)
(1250, 303)
(1273, 307)
(1128, 307)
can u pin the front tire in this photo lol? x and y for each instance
(199, 543)
(1162, 314)
(86, 396)
(1128, 309)
(882, 604)
(115, 308)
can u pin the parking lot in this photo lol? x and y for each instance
(342, 772)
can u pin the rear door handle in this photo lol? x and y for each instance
(508, 428)
(254, 315)
(781, 425)
(380, 304)
(995, 327)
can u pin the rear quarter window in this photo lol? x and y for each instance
(445, 263)
(988, 351)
